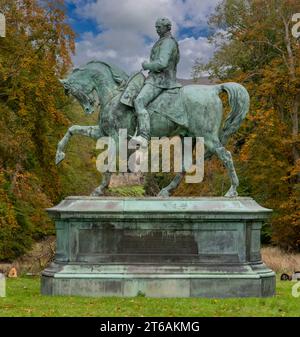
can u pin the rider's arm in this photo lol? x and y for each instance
(163, 58)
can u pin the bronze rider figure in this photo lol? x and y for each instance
(162, 68)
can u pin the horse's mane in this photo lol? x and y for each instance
(118, 74)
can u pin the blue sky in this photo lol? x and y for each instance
(122, 31)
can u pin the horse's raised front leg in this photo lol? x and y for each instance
(226, 158)
(89, 131)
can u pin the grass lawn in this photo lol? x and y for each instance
(24, 299)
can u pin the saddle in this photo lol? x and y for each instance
(169, 103)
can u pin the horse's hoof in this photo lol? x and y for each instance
(97, 193)
(163, 193)
(232, 193)
(60, 156)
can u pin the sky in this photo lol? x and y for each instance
(122, 32)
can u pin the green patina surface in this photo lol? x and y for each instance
(200, 247)
(159, 108)
(174, 247)
(201, 107)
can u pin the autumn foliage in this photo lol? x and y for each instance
(33, 55)
(256, 48)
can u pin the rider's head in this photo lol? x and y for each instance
(162, 26)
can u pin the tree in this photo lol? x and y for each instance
(34, 54)
(255, 47)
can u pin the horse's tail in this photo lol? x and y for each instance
(239, 101)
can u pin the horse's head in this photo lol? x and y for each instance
(80, 85)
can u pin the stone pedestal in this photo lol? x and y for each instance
(159, 247)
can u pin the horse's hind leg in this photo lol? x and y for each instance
(226, 158)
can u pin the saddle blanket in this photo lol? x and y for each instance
(169, 103)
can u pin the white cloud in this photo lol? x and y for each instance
(125, 49)
(190, 50)
(131, 15)
(126, 24)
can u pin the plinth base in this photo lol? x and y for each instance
(174, 247)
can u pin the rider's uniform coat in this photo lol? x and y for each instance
(164, 58)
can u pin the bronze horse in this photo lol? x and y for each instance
(101, 83)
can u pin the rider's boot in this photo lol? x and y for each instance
(144, 128)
